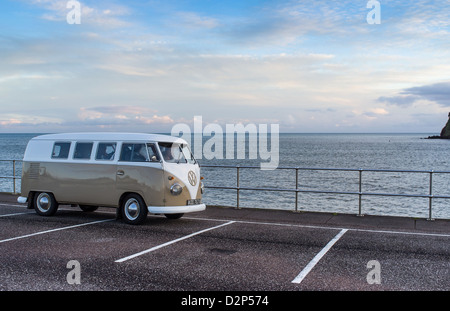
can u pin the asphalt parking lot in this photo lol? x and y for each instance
(221, 249)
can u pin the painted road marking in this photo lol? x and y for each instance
(317, 258)
(7, 215)
(172, 242)
(53, 230)
(321, 227)
(282, 224)
(13, 205)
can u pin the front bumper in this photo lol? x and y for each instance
(176, 209)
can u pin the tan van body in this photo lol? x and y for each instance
(70, 169)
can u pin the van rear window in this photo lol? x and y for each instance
(61, 150)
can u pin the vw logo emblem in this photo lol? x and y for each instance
(192, 178)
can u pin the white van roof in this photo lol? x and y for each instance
(110, 136)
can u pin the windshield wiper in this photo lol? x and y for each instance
(179, 156)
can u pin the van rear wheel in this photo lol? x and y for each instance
(45, 204)
(134, 210)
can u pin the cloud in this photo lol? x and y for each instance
(14, 120)
(437, 92)
(127, 118)
(107, 116)
(195, 20)
(135, 110)
(399, 100)
(289, 22)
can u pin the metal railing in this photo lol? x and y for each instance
(14, 176)
(360, 193)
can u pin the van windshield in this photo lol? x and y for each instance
(176, 153)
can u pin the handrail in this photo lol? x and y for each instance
(359, 193)
(297, 190)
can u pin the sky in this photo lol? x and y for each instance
(308, 66)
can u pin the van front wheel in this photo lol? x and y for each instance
(134, 210)
(45, 204)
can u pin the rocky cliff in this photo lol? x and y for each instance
(445, 132)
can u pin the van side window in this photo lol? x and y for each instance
(153, 153)
(105, 151)
(134, 153)
(83, 151)
(61, 150)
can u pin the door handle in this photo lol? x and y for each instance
(120, 173)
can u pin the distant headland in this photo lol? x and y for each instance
(445, 132)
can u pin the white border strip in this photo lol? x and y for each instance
(419, 233)
(317, 258)
(53, 230)
(320, 227)
(172, 242)
(7, 215)
(13, 205)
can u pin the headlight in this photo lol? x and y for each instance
(176, 189)
(202, 187)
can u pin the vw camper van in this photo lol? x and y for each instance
(135, 173)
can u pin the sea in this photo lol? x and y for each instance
(313, 163)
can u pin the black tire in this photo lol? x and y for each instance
(44, 204)
(174, 216)
(133, 209)
(88, 208)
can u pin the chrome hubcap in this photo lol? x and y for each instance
(43, 202)
(132, 209)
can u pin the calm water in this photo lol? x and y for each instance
(366, 151)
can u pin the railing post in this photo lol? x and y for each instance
(360, 193)
(296, 189)
(237, 186)
(14, 176)
(430, 198)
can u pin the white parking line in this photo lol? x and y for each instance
(323, 227)
(317, 258)
(7, 215)
(13, 205)
(172, 242)
(53, 230)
